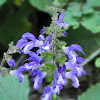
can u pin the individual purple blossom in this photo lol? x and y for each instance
(38, 79)
(47, 94)
(25, 67)
(41, 37)
(21, 43)
(11, 63)
(60, 77)
(26, 46)
(56, 88)
(76, 47)
(59, 21)
(30, 45)
(42, 30)
(80, 70)
(47, 45)
(18, 74)
(29, 36)
(34, 57)
(77, 68)
(72, 55)
(80, 59)
(64, 33)
(71, 75)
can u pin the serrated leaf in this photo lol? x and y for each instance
(93, 93)
(75, 9)
(86, 9)
(2, 2)
(97, 62)
(92, 22)
(11, 89)
(41, 4)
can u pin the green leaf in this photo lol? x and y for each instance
(92, 22)
(94, 3)
(86, 9)
(61, 58)
(75, 9)
(41, 4)
(49, 78)
(93, 93)
(11, 89)
(49, 56)
(61, 3)
(15, 24)
(47, 67)
(97, 62)
(61, 43)
(2, 2)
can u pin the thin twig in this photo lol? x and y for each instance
(91, 57)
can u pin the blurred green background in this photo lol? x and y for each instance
(83, 18)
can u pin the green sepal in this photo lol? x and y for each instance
(61, 43)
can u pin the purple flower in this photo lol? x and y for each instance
(80, 70)
(21, 42)
(29, 36)
(56, 88)
(26, 46)
(30, 45)
(41, 37)
(25, 67)
(43, 30)
(64, 33)
(80, 59)
(59, 21)
(17, 74)
(38, 79)
(77, 68)
(11, 63)
(34, 57)
(47, 45)
(72, 55)
(60, 77)
(47, 94)
(76, 47)
(74, 78)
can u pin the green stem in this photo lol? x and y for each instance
(91, 57)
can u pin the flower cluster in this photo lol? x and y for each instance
(69, 69)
